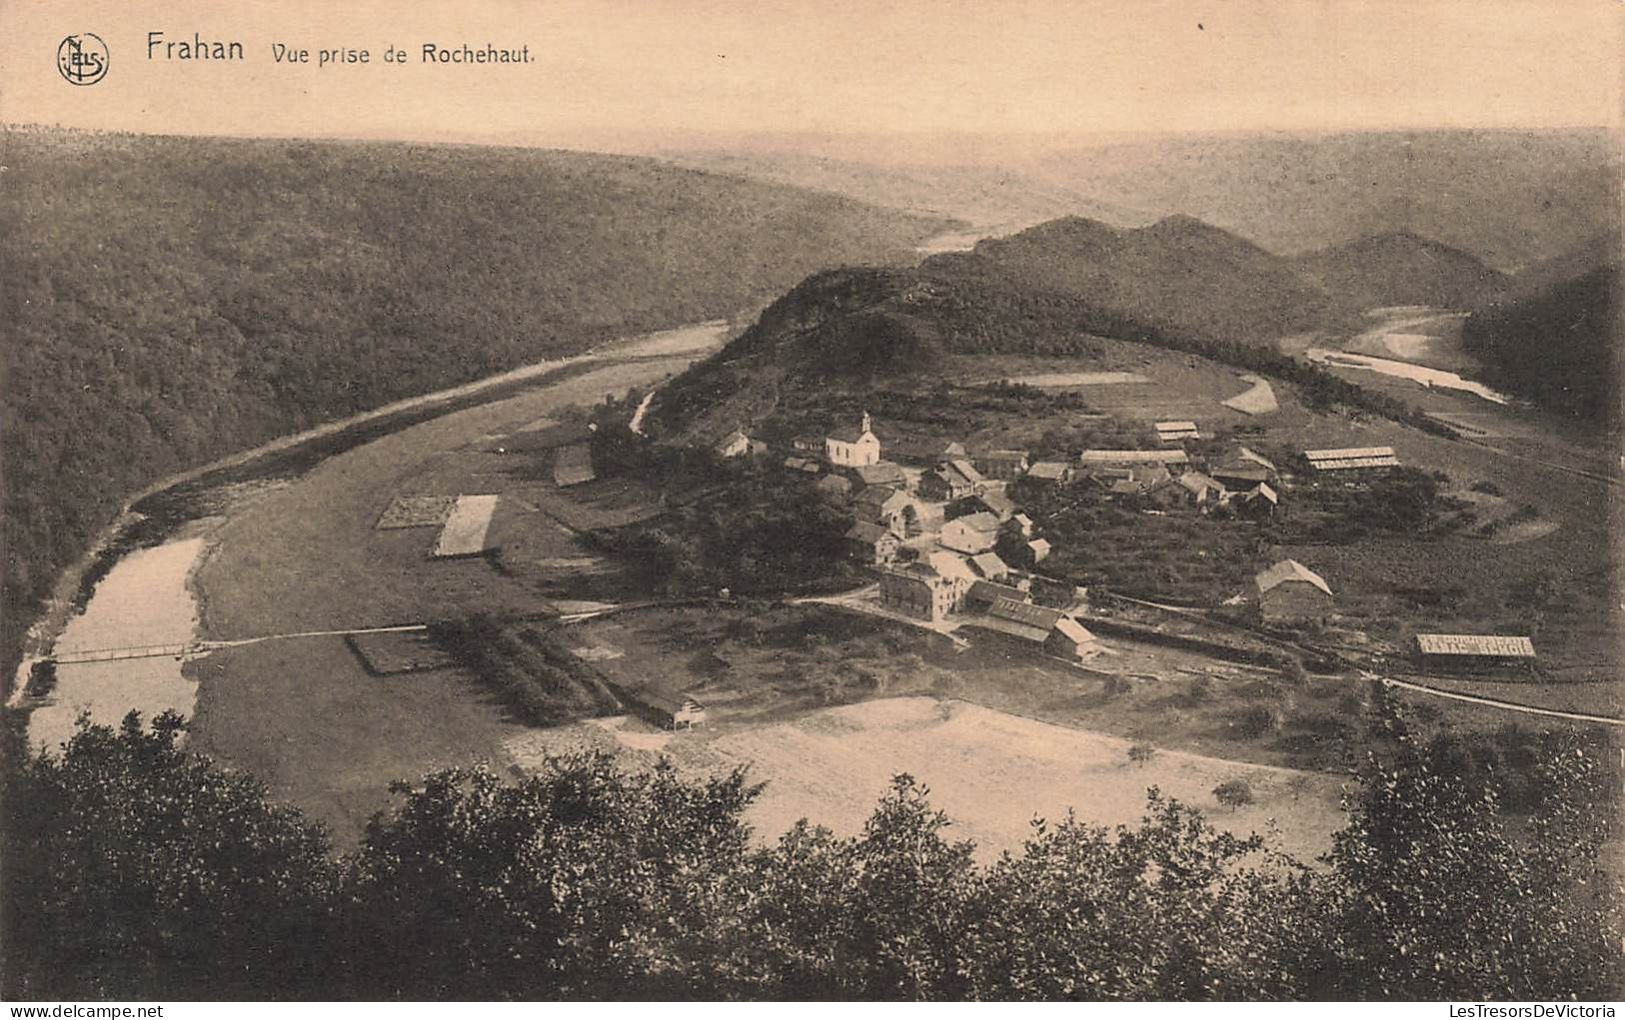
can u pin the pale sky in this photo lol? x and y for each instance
(605, 69)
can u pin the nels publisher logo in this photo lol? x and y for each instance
(82, 59)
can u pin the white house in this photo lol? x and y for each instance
(849, 448)
(971, 534)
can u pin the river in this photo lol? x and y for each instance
(1431, 377)
(144, 600)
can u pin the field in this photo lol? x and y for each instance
(756, 666)
(304, 714)
(992, 772)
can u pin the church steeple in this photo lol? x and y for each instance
(867, 425)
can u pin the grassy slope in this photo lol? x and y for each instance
(169, 300)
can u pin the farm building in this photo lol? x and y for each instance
(1354, 458)
(1039, 550)
(1092, 460)
(989, 567)
(1070, 639)
(1291, 592)
(1244, 470)
(1258, 502)
(929, 590)
(738, 444)
(887, 508)
(872, 544)
(464, 533)
(882, 473)
(801, 465)
(1050, 472)
(834, 486)
(1006, 465)
(1475, 653)
(1022, 619)
(661, 707)
(1190, 490)
(808, 444)
(1050, 592)
(853, 447)
(1177, 431)
(983, 594)
(975, 533)
(572, 465)
(995, 503)
(1025, 523)
(954, 451)
(1132, 481)
(950, 480)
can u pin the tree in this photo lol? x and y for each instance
(1436, 899)
(1234, 793)
(137, 870)
(1141, 753)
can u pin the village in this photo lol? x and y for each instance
(946, 537)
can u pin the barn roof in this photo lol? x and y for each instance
(1499, 645)
(1242, 453)
(1134, 457)
(1263, 491)
(1197, 482)
(1352, 457)
(946, 564)
(990, 591)
(966, 468)
(999, 503)
(1047, 470)
(983, 522)
(1039, 546)
(1002, 455)
(1025, 613)
(988, 564)
(663, 698)
(1073, 630)
(1289, 570)
(869, 534)
(1349, 453)
(882, 473)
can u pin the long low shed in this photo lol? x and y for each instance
(1475, 652)
(1352, 458)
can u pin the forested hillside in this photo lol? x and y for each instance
(1556, 339)
(1402, 269)
(1061, 289)
(170, 300)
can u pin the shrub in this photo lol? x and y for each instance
(1255, 721)
(1141, 753)
(1234, 793)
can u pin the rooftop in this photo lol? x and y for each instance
(1289, 570)
(1499, 645)
(1134, 457)
(982, 522)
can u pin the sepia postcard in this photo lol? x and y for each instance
(785, 501)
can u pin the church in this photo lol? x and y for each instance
(853, 448)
